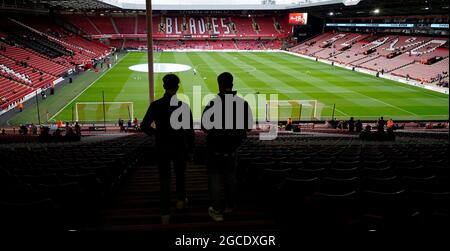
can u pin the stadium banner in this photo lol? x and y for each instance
(298, 18)
(442, 26)
(371, 25)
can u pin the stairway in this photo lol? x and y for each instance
(136, 206)
(397, 68)
(368, 59)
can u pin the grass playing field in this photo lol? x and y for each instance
(292, 78)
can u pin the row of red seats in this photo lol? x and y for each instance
(400, 55)
(84, 50)
(95, 25)
(34, 60)
(37, 80)
(11, 92)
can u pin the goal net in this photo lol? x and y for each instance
(297, 110)
(107, 111)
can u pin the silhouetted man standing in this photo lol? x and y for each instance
(226, 121)
(351, 125)
(172, 144)
(380, 124)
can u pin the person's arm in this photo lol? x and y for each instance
(149, 118)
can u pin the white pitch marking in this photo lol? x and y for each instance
(161, 68)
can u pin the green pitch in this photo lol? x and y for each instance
(292, 78)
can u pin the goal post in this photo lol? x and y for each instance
(297, 110)
(108, 111)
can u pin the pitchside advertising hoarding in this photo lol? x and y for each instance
(298, 18)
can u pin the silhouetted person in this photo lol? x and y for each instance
(34, 129)
(23, 130)
(289, 126)
(380, 125)
(121, 125)
(351, 125)
(359, 126)
(129, 124)
(77, 129)
(172, 144)
(44, 135)
(224, 136)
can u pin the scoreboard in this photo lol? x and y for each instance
(298, 18)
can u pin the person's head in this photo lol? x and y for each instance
(225, 81)
(171, 82)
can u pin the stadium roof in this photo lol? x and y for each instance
(189, 4)
(221, 4)
(77, 4)
(315, 7)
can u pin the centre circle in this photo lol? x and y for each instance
(161, 68)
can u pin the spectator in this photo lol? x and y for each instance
(380, 124)
(71, 136)
(23, 130)
(136, 123)
(68, 127)
(390, 124)
(121, 125)
(44, 135)
(129, 124)
(34, 129)
(20, 106)
(222, 143)
(351, 125)
(172, 145)
(77, 129)
(289, 126)
(367, 133)
(359, 126)
(3, 131)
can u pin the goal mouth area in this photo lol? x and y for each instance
(92, 112)
(297, 110)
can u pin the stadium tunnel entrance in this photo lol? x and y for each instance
(161, 68)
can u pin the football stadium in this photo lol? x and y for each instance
(226, 123)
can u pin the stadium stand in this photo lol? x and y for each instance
(319, 181)
(36, 52)
(56, 187)
(404, 56)
(169, 29)
(339, 182)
